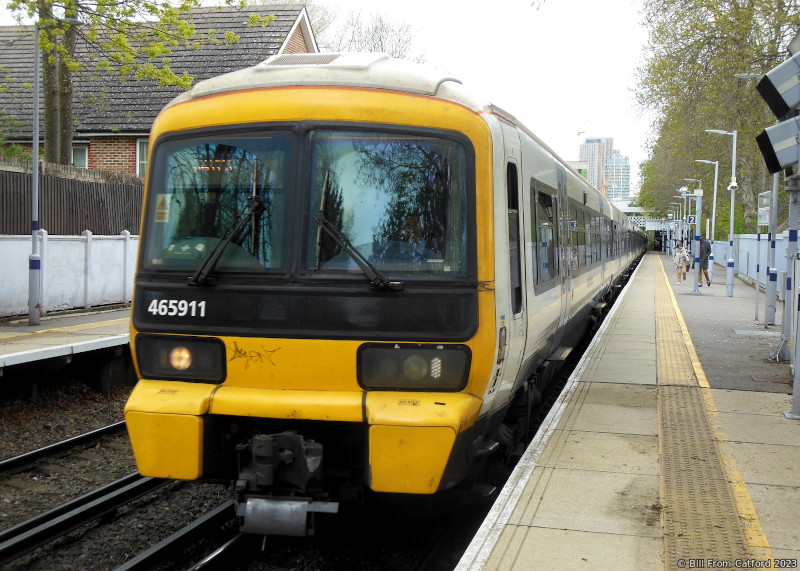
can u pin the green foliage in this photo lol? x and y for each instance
(702, 58)
(134, 38)
(131, 40)
(8, 150)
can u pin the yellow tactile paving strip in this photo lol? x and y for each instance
(703, 518)
(60, 331)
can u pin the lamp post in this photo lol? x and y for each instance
(678, 209)
(713, 216)
(698, 200)
(35, 259)
(676, 217)
(733, 187)
(683, 190)
(680, 217)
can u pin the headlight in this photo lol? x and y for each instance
(413, 367)
(180, 358)
(199, 359)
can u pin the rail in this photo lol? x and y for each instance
(51, 525)
(28, 458)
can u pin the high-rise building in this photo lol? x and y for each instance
(618, 176)
(595, 151)
(608, 170)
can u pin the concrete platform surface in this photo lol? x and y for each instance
(668, 449)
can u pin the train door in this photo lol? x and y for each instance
(601, 234)
(543, 332)
(511, 313)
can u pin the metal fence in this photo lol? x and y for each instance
(71, 200)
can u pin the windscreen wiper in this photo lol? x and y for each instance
(253, 207)
(377, 277)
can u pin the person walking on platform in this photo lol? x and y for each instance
(705, 252)
(681, 260)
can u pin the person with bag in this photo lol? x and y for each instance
(681, 260)
(705, 252)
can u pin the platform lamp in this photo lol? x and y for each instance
(713, 215)
(683, 190)
(733, 187)
(677, 209)
(676, 223)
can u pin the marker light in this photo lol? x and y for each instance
(413, 367)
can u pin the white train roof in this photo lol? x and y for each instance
(354, 69)
(367, 70)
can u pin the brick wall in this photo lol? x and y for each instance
(296, 44)
(113, 154)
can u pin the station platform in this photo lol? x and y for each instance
(668, 449)
(61, 335)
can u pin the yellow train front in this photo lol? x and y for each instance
(329, 297)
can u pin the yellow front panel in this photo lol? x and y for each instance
(457, 411)
(166, 445)
(307, 364)
(408, 460)
(296, 405)
(173, 397)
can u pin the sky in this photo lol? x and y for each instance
(564, 68)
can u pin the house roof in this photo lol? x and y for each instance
(103, 104)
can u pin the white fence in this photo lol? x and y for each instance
(76, 271)
(750, 253)
(86, 270)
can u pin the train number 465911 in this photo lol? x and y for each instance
(177, 307)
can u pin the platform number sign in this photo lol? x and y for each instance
(692, 218)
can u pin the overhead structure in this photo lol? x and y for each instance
(780, 88)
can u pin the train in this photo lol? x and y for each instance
(355, 279)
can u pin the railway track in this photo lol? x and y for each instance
(22, 461)
(201, 528)
(51, 525)
(213, 534)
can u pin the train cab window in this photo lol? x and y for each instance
(546, 247)
(221, 194)
(399, 200)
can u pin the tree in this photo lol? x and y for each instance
(376, 34)
(701, 58)
(13, 151)
(131, 39)
(357, 33)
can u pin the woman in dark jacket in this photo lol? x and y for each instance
(705, 252)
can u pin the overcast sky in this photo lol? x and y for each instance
(566, 69)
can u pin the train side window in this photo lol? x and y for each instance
(545, 238)
(512, 190)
